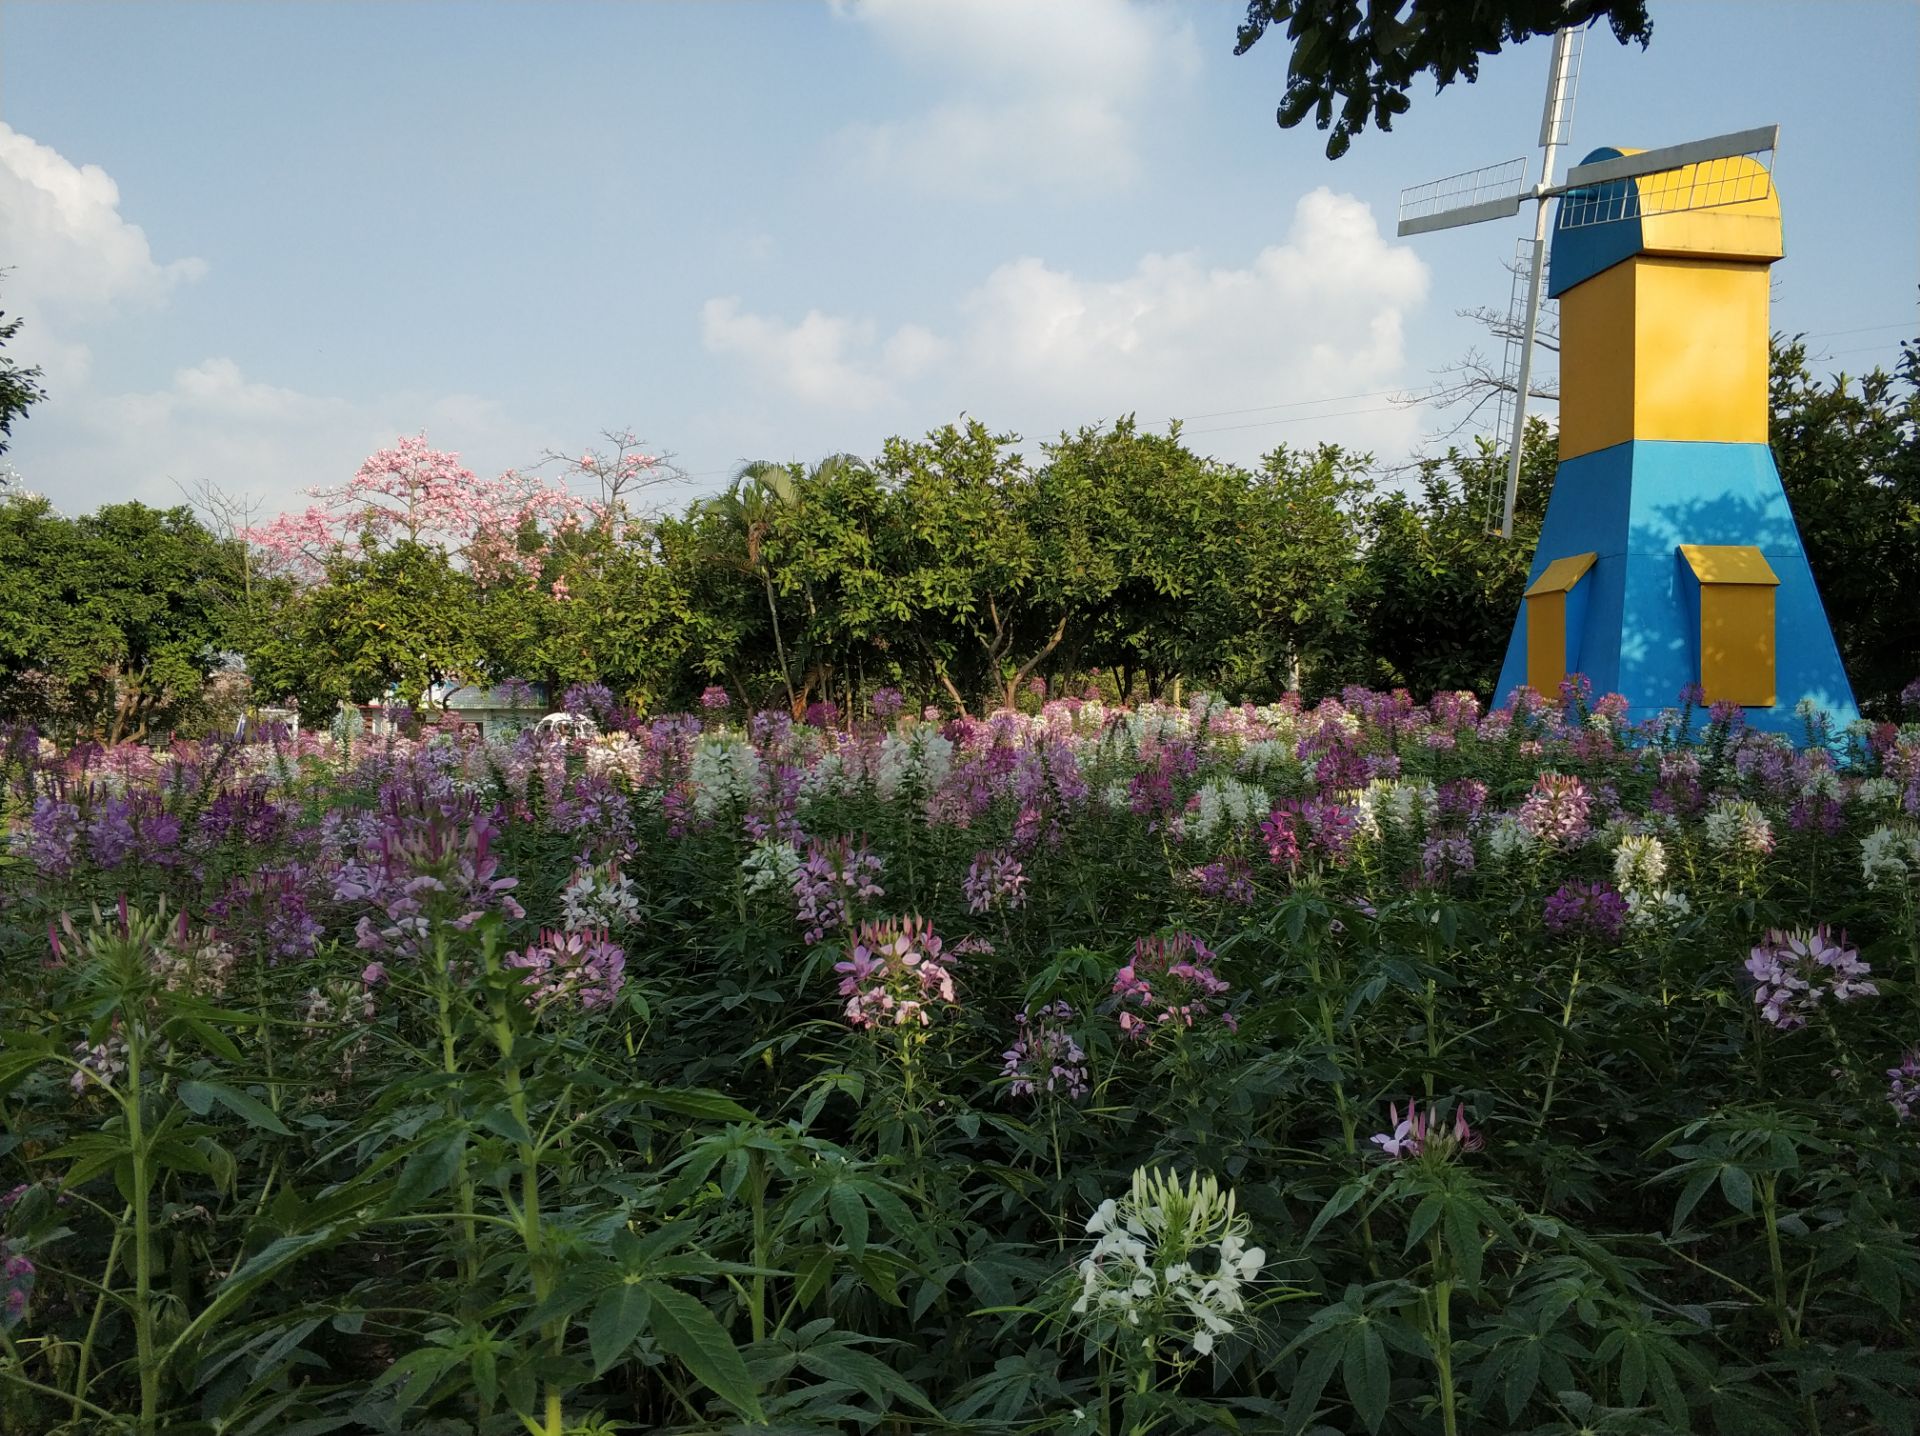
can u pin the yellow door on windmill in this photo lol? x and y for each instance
(1736, 622)
(1546, 600)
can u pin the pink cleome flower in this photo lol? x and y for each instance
(894, 974)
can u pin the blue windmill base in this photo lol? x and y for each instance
(1636, 628)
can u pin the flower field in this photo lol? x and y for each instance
(1368, 1067)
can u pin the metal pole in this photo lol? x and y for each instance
(1550, 135)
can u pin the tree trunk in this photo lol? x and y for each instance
(780, 646)
(1026, 669)
(940, 672)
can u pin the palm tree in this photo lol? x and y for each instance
(761, 495)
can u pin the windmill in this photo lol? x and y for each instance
(1700, 177)
(1495, 192)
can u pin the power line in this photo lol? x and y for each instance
(1294, 404)
(1303, 418)
(1863, 329)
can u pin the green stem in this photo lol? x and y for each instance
(1559, 1048)
(1344, 1108)
(1782, 1306)
(1769, 1212)
(142, 1236)
(762, 1241)
(1440, 1337)
(462, 1181)
(93, 1323)
(532, 1233)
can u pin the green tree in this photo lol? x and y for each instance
(744, 518)
(402, 617)
(985, 591)
(1438, 591)
(20, 387)
(112, 621)
(1353, 62)
(1303, 542)
(1849, 457)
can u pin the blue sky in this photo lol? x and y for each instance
(254, 242)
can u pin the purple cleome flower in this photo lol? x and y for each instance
(1420, 1134)
(893, 974)
(1794, 972)
(1581, 907)
(1044, 1057)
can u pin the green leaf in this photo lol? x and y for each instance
(1364, 1371)
(1695, 1189)
(200, 1096)
(1304, 1399)
(1737, 1187)
(214, 1039)
(866, 1373)
(686, 1330)
(430, 1168)
(616, 1321)
(850, 1214)
(693, 1102)
(1339, 1202)
(1463, 1239)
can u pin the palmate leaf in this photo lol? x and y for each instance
(866, 1373)
(687, 1331)
(200, 1097)
(617, 1320)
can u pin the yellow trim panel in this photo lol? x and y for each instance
(1562, 574)
(1737, 657)
(1664, 348)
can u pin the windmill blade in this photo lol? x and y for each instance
(1490, 192)
(1758, 141)
(1556, 120)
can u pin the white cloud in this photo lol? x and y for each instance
(80, 266)
(1040, 347)
(808, 359)
(1030, 94)
(77, 258)
(211, 423)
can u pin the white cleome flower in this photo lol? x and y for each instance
(1639, 863)
(769, 866)
(1652, 908)
(917, 762)
(725, 773)
(1889, 856)
(1169, 1258)
(1509, 840)
(1735, 826)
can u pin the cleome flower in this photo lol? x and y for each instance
(1423, 1134)
(1794, 972)
(1044, 1057)
(894, 973)
(1581, 907)
(1170, 1261)
(599, 897)
(1171, 980)
(996, 880)
(1555, 812)
(835, 875)
(1903, 1086)
(1736, 827)
(584, 969)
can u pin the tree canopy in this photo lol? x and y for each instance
(20, 387)
(112, 621)
(964, 568)
(1354, 60)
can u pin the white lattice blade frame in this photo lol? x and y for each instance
(1465, 214)
(1672, 157)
